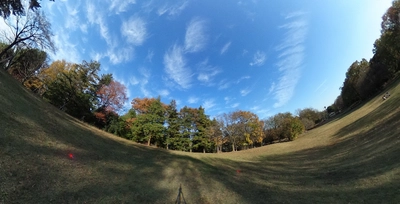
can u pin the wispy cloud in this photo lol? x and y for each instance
(260, 111)
(208, 103)
(96, 15)
(66, 49)
(320, 86)
(295, 14)
(291, 57)
(133, 81)
(117, 56)
(141, 81)
(244, 92)
(195, 38)
(72, 19)
(271, 88)
(144, 80)
(172, 9)
(193, 100)
(207, 72)
(242, 78)
(150, 55)
(120, 6)
(175, 67)
(225, 48)
(228, 99)
(223, 85)
(96, 56)
(235, 105)
(258, 59)
(134, 30)
(163, 92)
(83, 27)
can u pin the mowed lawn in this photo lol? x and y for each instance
(49, 157)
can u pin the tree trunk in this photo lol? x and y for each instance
(204, 150)
(233, 147)
(148, 141)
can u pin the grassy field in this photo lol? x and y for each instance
(352, 159)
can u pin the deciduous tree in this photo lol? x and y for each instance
(149, 125)
(112, 97)
(29, 31)
(16, 7)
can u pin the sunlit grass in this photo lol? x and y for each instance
(352, 159)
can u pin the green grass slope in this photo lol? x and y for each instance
(353, 159)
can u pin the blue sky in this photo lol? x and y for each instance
(261, 56)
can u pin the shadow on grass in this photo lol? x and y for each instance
(36, 140)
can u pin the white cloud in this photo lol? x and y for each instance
(83, 27)
(144, 80)
(96, 16)
(225, 48)
(193, 100)
(272, 88)
(119, 55)
(209, 103)
(134, 30)
(291, 58)
(295, 14)
(133, 81)
(244, 92)
(223, 85)
(171, 9)
(255, 108)
(96, 56)
(195, 38)
(150, 55)
(235, 105)
(258, 59)
(65, 49)
(175, 67)
(72, 18)
(163, 92)
(207, 72)
(320, 86)
(242, 78)
(120, 6)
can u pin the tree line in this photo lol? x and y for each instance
(80, 91)
(364, 79)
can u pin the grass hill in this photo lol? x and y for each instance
(47, 156)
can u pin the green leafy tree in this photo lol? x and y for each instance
(27, 63)
(72, 88)
(173, 127)
(187, 128)
(309, 117)
(216, 135)
(202, 140)
(149, 125)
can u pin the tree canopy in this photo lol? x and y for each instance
(16, 7)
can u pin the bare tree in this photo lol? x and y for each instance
(29, 31)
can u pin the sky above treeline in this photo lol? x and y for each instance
(260, 56)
